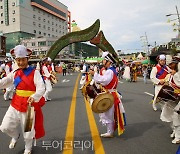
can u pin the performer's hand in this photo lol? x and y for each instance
(173, 72)
(30, 100)
(91, 72)
(161, 82)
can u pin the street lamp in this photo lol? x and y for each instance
(178, 18)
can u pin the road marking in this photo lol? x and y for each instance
(120, 82)
(148, 93)
(70, 126)
(98, 146)
(65, 80)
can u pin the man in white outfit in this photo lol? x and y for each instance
(84, 73)
(112, 118)
(175, 83)
(46, 75)
(29, 89)
(9, 90)
(158, 75)
(170, 113)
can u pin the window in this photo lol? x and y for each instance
(39, 18)
(33, 43)
(44, 26)
(52, 23)
(52, 29)
(50, 43)
(34, 31)
(1, 7)
(13, 12)
(2, 22)
(13, 3)
(49, 35)
(42, 43)
(13, 19)
(44, 20)
(39, 32)
(44, 34)
(1, 14)
(34, 23)
(34, 16)
(39, 25)
(48, 28)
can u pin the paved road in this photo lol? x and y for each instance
(71, 127)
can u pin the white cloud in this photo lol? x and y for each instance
(124, 21)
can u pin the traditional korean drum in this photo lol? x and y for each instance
(167, 95)
(102, 100)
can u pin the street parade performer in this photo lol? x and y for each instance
(158, 75)
(115, 116)
(9, 90)
(170, 112)
(47, 76)
(29, 89)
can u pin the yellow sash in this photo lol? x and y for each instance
(24, 93)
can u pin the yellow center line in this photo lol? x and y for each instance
(99, 149)
(69, 139)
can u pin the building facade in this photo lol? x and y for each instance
(39, 46)
(21, 19)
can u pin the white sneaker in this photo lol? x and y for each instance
(107, 135)
(154, 108)
(48, 99)
(5, 98)
(172, 135)
(176, 141)
(80, 88)
(13, 142)
(27, 151)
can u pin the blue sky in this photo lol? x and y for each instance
(125, 21)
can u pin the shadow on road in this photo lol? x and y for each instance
(137, 129)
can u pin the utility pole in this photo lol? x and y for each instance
(144, 39)
(178, 22)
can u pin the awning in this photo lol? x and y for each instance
(148, 61)
(93, 60)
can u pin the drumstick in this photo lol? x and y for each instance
(167, 71)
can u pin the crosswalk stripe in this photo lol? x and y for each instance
(69, 138)
(99, 149)
(148, 93)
